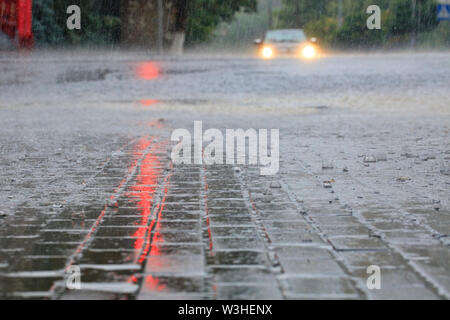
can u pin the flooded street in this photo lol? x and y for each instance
(87, 181)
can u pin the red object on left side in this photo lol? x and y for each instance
(15, 21)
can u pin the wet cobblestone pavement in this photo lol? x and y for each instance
(87, 180)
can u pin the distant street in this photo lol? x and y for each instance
(87, 181)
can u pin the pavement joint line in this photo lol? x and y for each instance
(180, 243)
(88, 238)
(110, 250)
(108, 267)
(241, 250)
(302, 245)
(205, 208)
(119, 237)
(361, 289)
(439, 290)
(246, 284)
(160, 195)
(322, 276)
(360, 249)
(237, 266)
(176, 274)
(389, 245)
(404, 215)
(34, 274)
(206, 229)
(263, 233)
(82, 186)
(87, 182)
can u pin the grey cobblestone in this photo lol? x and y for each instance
(89, 183)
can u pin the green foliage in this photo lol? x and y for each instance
(355, 34)
(295, 13)
(403, 21)
(45, 28)
(242, 30)
(205, 15)
(428, 20)
(438, 37)
(100, 22)
(325, 28)
(319, 19)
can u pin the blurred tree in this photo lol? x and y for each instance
(355, 34)
(198, 19)
(297, 13)
(245, 27)
(324, 29)
(423, 18)
(400, 19)
(411, 17)
(101, 19)
(402, 12)
(203, 16)
(45, 28)
(100, 22)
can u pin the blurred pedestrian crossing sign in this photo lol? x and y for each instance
(443, 10)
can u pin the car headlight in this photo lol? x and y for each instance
(267, 52)
(309, 52)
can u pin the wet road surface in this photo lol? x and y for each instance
(86, 177)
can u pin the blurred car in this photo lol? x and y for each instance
(287, 42)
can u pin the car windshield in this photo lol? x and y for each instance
(286, 36)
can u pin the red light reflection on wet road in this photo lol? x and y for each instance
(148, 234)
(148, 70)
(149, 170)
(148, 102)
(153, 284)
(144, 189)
